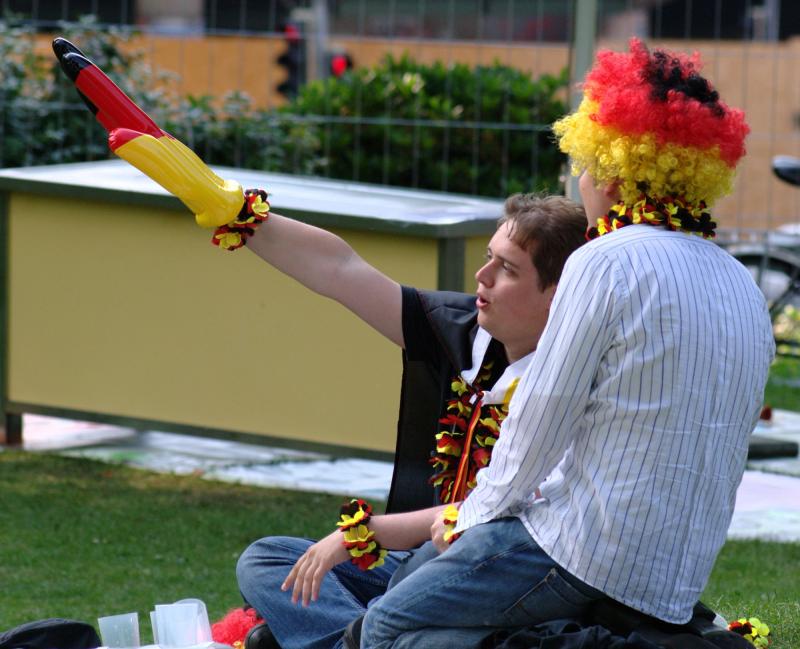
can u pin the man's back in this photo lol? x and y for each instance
(649, 377)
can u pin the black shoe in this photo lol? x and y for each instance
(352, 634)
(260, 637)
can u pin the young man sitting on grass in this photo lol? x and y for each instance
(463, 356)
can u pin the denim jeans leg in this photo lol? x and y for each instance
(344, 593)
(494, 576)
(414, 560)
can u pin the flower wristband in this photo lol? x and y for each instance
(364, 549)
(254, 212)
(450, 517)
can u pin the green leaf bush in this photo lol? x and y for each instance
(483, 130)
(42, 118)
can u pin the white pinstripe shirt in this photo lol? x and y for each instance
(648, 381)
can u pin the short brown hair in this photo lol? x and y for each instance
(550, 228)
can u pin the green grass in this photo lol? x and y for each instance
(783, 386)
(759, 579)
(81, 539)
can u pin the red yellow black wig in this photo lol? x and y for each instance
(649, 121)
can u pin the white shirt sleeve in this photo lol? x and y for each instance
(548, 408)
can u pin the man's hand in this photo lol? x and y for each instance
(441, 529)
(306, 576)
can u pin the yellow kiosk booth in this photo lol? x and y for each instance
(115, 307)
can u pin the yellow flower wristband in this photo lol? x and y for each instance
(450, 518)
(364, 549)
(254, 212)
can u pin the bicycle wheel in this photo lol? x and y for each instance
(777, 273)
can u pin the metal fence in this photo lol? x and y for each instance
(447, 137)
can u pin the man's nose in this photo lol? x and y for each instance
(483, 276)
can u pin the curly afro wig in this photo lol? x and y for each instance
(649, 121)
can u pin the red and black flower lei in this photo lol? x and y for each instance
(459, 420)
(671, 212)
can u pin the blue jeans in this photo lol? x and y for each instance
(495, 576)
(344, 594)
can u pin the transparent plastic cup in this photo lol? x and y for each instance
(154, 626)
(119, 631)
(177, 625)
(202, 627)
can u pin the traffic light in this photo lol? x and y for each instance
(293, 60)
(339, 63)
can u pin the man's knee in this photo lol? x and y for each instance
(375, 628)
(268, 553)
(385, 621)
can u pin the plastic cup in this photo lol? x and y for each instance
(154, 626)
(119, 631)
(202, 626)
(177, 624)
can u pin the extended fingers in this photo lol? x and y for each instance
(292, 576)
(316, 582)
(300, 578)
(306, 576)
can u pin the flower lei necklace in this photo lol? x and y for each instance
(672, 212)
(465, 430)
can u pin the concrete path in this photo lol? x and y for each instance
(767, 505)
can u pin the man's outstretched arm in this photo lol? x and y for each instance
(326, 264)
(317, 259)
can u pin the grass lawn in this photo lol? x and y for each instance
(783, 387)
(81, 539)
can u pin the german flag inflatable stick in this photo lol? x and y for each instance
(137, 139)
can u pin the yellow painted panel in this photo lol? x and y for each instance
(130, 311)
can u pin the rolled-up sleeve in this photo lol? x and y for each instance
(548, 408)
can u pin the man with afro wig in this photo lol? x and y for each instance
(634, 416)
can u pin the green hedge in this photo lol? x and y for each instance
(481, 130)
(42, 118)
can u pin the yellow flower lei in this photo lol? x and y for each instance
(672, 212)
(450, 440)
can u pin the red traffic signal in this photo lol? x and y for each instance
(293, 61)
(339, 63)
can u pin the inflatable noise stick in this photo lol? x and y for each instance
(138, 140)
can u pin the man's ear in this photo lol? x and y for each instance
(611, 190)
